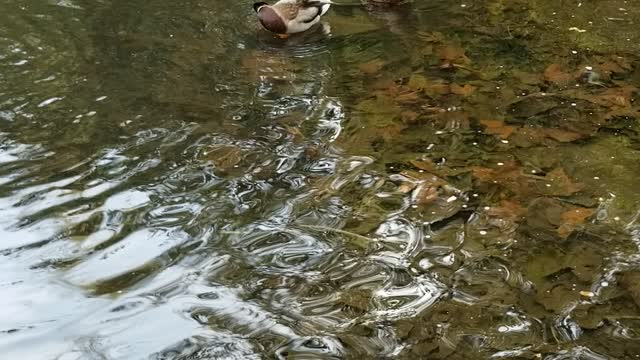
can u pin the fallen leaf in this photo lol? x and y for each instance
(544, 218)
(435, 90)
(465, 90)
(294, 131)
(406, 187)
(497, 127)
(224, 158)
(426, 193)
(554, 74)
(507, 209)
(426, 165)
(576, 216)
(381, 110)
(584, 260)
(508, 175)
(483, 173)
(433, 37)
(526, 78)
(571, 219)
(417, 82)
(535, 104)
(357, 299)
(450, 53)
(423, 177)
(528, 136)
(559, 184)
(630, 281)
(409, 116)
(562, 135)
(613, 97)
(372, 67)
(407, 97)
(614, 65)
(618, 96)
(556, 298)
(454, 120)
(380, 130)
(384, 84)
(513, 178)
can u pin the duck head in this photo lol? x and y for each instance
(269, 18)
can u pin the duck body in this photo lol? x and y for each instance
(291, 16)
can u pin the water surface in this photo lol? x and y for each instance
(442, 180)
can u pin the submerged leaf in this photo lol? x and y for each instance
(437, 89)
(465, 90)
(562, 135)
(417, 82)
(631, 282)
(497, 127)
(507, 209)
(571, 219)
(554, 74)
(559, 184)
(451, 53)
(372, 67)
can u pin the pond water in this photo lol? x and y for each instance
(440, 180)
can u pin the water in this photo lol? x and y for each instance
(440, 180)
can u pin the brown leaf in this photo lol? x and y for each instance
(427, 186)
(407, 97)
(562, 135)
(406, 187)
(615, 65)
(429, 167)
(617, 96)
(554, 74)
(465, 90)
(507, 209)
(294, 131)
(571, 219)
(526, 78)
(433, 37)
(451, 53)
(513, 178)
(417, 82)
(371, 67)
(424, 177)
(426, 165)
(224, 158)
(409, 116)
(559, 184)
(483, 173)
(435, 90)
(544, 216)
(630, 281)
(426, 193)
(497, 127)
(613, 97)
(528, 136)
(576, 216)
(384, 84)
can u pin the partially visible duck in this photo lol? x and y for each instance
(290, 16)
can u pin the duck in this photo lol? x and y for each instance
(287, 17)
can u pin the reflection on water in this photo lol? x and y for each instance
(439, 180)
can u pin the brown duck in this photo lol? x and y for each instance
(291, 16)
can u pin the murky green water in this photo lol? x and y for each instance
(445, 180)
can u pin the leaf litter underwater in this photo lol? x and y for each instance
(435, 180)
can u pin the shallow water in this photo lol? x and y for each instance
(441, 180)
